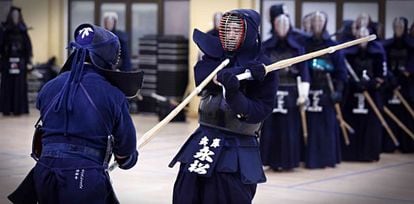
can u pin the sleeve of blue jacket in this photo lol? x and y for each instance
(257, 104)
(125, 138)
(340, 71)
(303, 68)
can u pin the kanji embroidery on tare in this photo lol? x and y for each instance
(204, 157)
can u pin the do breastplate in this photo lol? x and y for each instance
(214, 112)
(361, 63)
(397, 59)
(287, 76)
(319, 67)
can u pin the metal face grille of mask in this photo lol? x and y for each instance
(232, 31)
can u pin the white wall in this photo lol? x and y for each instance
(396, 8)
(353, 9)
(176, 17)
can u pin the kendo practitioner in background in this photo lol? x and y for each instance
(368, 62)
(214, 31)
(364, 20)
(323, 144)
(346, 32)
(85, 119)
(16, 55)
(279, 9)
(216, 23)
(399, 50)
(306, 23)
(280, 139)
(220, 162)
(110, 23)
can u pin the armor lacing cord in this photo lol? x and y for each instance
(72, 84)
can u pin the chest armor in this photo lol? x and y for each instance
(287, 76)
(15, 46)
(318, 67)
(361, 63)
(397, 58)
(215, 112)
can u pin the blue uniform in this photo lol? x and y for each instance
(100, 110)
(365, 143)
(16, 53)
(400, 57)
(280, 139)
(323, 145)
(219, 164)
(84, 120)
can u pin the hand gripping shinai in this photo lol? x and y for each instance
(273, 67)
(373, 106)
(339, 115)
(302, 110)
(404, 102)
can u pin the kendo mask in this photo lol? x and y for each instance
(239, 29)
(232, 31)
(282, 25)
(110, 20)
(102, 49)
(318, 24)
(363, 32)
(400, 26)
(307, 22)
(275, 11)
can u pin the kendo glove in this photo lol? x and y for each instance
(303, 92)
(228, 80)
(258, 71)
(127, 162)
(29, 64)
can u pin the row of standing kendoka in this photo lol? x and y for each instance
(304, 125)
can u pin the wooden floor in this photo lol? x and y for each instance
(391, 180)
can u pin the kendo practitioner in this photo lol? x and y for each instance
(368, 62)
(84, 114)
(220, 162)
(323, 144)
(400, 51)
(16, 55)
(110, 23)
(280, 139)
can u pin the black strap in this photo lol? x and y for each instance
(110, 139)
